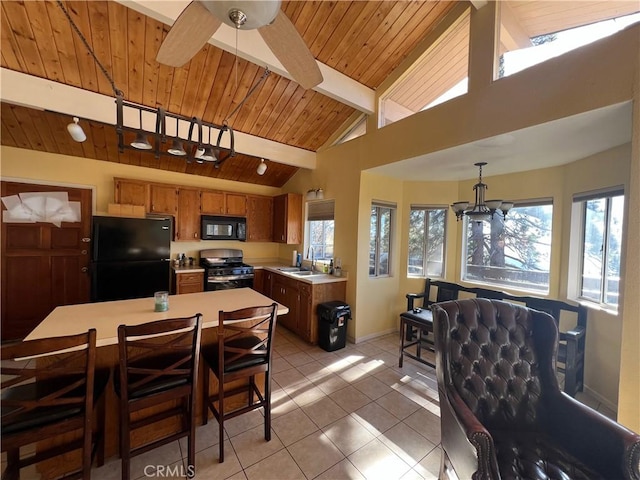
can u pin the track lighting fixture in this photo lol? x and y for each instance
(75, 130)
(141, 142)
(262, 167)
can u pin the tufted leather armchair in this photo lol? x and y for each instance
(503, 415)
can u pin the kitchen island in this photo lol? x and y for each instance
(105, 317)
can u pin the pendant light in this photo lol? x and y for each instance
(141, 142)
(208, 155)
(176, 146)
(262, 167)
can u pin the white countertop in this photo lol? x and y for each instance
(105, 317)
(188, 269)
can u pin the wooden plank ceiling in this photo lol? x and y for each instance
(363, 40)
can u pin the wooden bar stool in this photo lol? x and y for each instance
(243, 350)
(51, 396)
(158, 365)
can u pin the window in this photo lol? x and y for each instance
(320, 228)
(358, 129)
(427, 237)
(602, 216)
(382, 217)
(533, 32)
(514, 251)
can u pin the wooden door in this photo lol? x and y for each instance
(259, 219)
(188, 215)
(43, 266)
(164, 199)
(212, 203)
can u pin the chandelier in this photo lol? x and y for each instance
(483, 210)
(174, 135)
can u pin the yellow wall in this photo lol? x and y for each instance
(26, 165)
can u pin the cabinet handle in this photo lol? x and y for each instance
(195, 235)
(84, 269)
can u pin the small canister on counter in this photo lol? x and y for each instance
(161, 301)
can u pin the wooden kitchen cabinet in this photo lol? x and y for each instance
(287, 218)
(262, 281)
(163, 199)
(303, 299)
(223, 203)
(188, 218)
(131, 192)
(188, 282)
(259, 218)
(284, 290)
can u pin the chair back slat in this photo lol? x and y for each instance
(253, 322)
(158, 350)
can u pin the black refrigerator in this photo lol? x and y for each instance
(130, 257)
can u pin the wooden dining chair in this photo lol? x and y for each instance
(49, 390)
(243, 350)
(158, 369)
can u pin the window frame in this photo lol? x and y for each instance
(379, 206)
(580, 201)
(307, 227)
(525, 287)
(425, 241)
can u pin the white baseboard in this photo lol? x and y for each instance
(372, 336)
(607, 403)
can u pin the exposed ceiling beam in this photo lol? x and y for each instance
(513, 35)
(34, 92)
(251, 47)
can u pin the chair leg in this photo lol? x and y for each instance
(125, 444)
(100, 443)
(221, 417)
(402, 337)
(191, 440)
(12, 471)
(252, 387)
(267, 405)
(205, 395)
(87, 444)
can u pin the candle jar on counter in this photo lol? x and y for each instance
(161, 301)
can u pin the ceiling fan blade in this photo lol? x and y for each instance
(288, 46)
(191, 30)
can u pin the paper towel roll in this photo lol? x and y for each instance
(294, 258)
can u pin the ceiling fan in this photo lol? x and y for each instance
(201, 19)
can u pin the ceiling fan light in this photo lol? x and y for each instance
(258, 14)
(262, 167)
(177, 149)
(141, 142)
(75, 130)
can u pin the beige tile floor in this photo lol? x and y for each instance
(348, 414)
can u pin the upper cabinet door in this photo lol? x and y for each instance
(259, 218)
(212, 203)
(130, 192)
(236, 204)
(164, 199)
(287, 218)
(188, 222)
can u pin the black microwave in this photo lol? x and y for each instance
(223, 228)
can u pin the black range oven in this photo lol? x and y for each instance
(224, 269)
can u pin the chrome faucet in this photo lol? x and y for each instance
(310, 255)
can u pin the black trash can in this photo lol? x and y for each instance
(332, 324)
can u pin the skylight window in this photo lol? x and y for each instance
(544, 47)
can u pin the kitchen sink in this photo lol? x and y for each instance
(289, 269)
(306, 273)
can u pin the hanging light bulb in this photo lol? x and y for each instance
(176, 146)
(141, 142)
(75, 130)
(262, 167)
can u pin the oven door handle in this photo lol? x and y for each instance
(228, 278)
